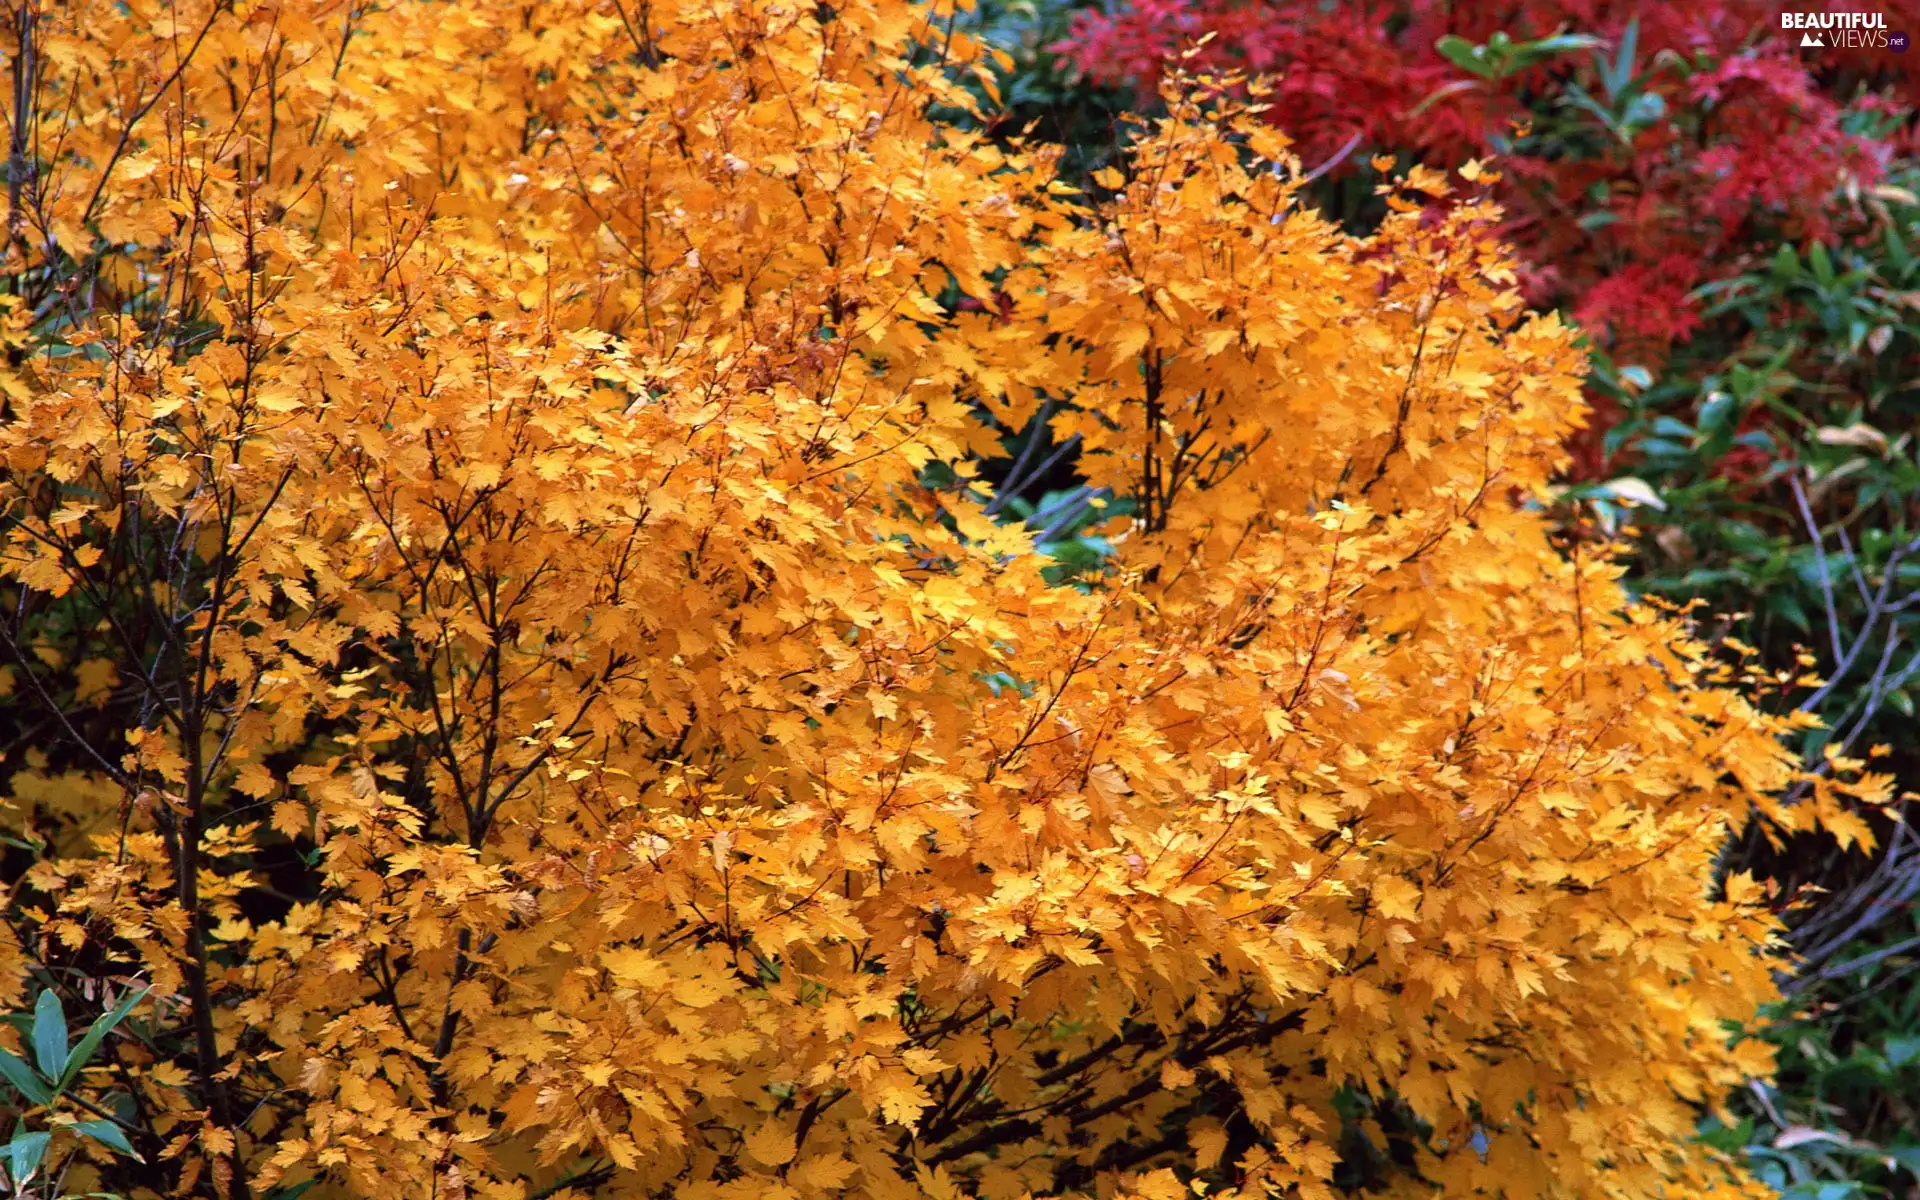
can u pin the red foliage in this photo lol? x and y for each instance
(1643, 303)
(1740, 144)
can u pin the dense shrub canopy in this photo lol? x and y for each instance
(518, 664)
(1727, 207)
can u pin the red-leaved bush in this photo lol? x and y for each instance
(1624, 189)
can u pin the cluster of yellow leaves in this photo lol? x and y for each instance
(530, 718)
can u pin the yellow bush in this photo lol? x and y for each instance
(509, 681)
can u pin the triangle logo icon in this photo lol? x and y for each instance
(1812, 39)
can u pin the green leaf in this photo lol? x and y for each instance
(1616, 76)
(1897, 249)
(1902, 1050)
(21, 1076)
(23, 1155)
(1465, 55)
(1658, 447)
(107, 1134)
(50, 1034)
(82, 1053)
(1575, 98)
(1629, 43)
(1718, 410)
(1528, 53)
(1906, 1154)
(1645, 110)
(1822, 265)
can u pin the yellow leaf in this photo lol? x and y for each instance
(1209, 1143)
(1396, 898)
(771, 1144)
(823, 1171)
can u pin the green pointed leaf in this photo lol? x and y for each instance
(1718, 410)
(82, 1052)
(1907, 1154)
(1561, 43)
(107, 1134)
(50, 1034)
(24, 1154)
(1616, 75)
(1465, 55)
(1822, 265)
(24, 1081)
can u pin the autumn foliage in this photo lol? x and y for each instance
(1712, 136)
(497, 659)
